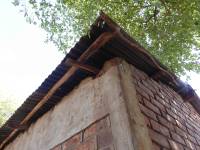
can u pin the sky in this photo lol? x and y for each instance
(25, 60)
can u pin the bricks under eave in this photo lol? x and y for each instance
(172, 123)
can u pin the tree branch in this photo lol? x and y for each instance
(154, 15)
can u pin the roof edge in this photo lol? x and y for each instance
(184, 90)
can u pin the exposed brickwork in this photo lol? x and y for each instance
(97, 136)
(172, 123)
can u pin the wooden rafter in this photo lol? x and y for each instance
(82, 66)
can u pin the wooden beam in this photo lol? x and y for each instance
(145, 52)
(20, 127)
(135, 45)
(82, 66)
(93, 48)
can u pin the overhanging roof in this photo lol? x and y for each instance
(106, 40)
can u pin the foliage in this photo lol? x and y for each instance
(169, 29)
(6, 110)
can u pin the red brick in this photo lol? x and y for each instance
(166, 123)
(189, 144)
(176, 102)
(177, 138)
(89, 144)
(156, 146)
(159, 128)
(197, 139)
(147, 121)
(149, 113)
(175, 146)
(104, 123)
(154, 84)
(159, 96)
(181, 125)
(181, 132)
(146, 89)
(140, 99)
(191, 138)
(190, 128)
(196, 125)
(159, 105)
(164, 131)
(57, 148)
(197, 147)
(171, 113)
(72, 142)
(97, 127)
(104, 139)
(181, 114)
(185, 109)
(186, 148)
(92, 130)
(169, 92)
(190, 131)
(152, 107)
(178, 123)
(169, 118)
(158, 138)
(162, 101)
(142, 92)
(155, 125)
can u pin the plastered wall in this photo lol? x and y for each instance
(94, 99)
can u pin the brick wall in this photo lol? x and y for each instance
(172, 123)
(97, 136)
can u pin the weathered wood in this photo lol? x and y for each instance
(135, 45)
(92, 49)
(82, 66)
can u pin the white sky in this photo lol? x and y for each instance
(25, 60)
